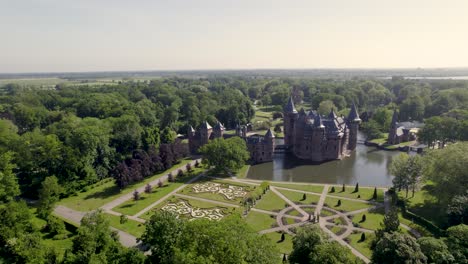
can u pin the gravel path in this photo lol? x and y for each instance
(75, 216)
(167, 196)
(122, 199)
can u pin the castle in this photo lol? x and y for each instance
(402, 131)
(308, 136)
(261, 148)
(318, 138)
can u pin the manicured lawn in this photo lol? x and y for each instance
(296, 197)
(302, 187)
(364, 246)
(290, 221)
(105, 191)
(379, 140)
(366, 193)
(325, 212)
(373, 219)
(425, 205)
(284, 247)
(271, 202)
(336, 229)
(242, 173)
(259, 221)
(346, 205)
(132, 227)
(131, 207)
(217, 196)
(294, 212)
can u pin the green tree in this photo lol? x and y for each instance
(400, 169)
(448, 169)
(457, 242)
(96, 243)
(225, 154)
(435, 250)
(162, 233)
(325, 107)
(168, 135)
(312, 245)
(372, 129)
(8, 183)
(394, 248)
(332, 253)
(49, 194)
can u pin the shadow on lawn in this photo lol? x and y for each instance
(109, 191)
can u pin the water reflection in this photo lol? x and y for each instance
(367, 165)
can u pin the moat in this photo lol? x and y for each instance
(367, 165)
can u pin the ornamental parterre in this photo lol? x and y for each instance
(183, 208)
(230, 193)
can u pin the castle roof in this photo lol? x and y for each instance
(269, 134)
(290, 108)
(302, 112)
(395, 118)
(205, 125)
(219, 126)
(318, 121)
(332, 114)
(353, 114)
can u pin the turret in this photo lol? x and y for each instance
(353, 125)
(290, 116)
(392, 133)
(205, 133)
(332, 114)
(218, 130)
(191, 138)
(318, 122)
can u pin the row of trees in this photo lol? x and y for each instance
(444, 129)
(146, 163)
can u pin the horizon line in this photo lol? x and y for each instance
(238, 69)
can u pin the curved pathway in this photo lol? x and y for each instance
(75, 217)
(122, 199)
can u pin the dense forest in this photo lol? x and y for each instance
(80, 133)
(58, 141)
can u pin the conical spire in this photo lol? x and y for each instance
(353, 114)
(302, 112)
(269, 134)
(318, 121)
(191, 129)
(394, 118)
(219, 126)
(332, 114)
(290, 108)
(206, 125)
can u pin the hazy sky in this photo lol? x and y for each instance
(99, 35)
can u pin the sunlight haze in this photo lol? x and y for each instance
(85, 35)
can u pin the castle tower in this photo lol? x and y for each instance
(290, 115)
(218, 130)
(353, 124)
(205, 133)
(191, 139)
(269, 145)
(392, 134)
